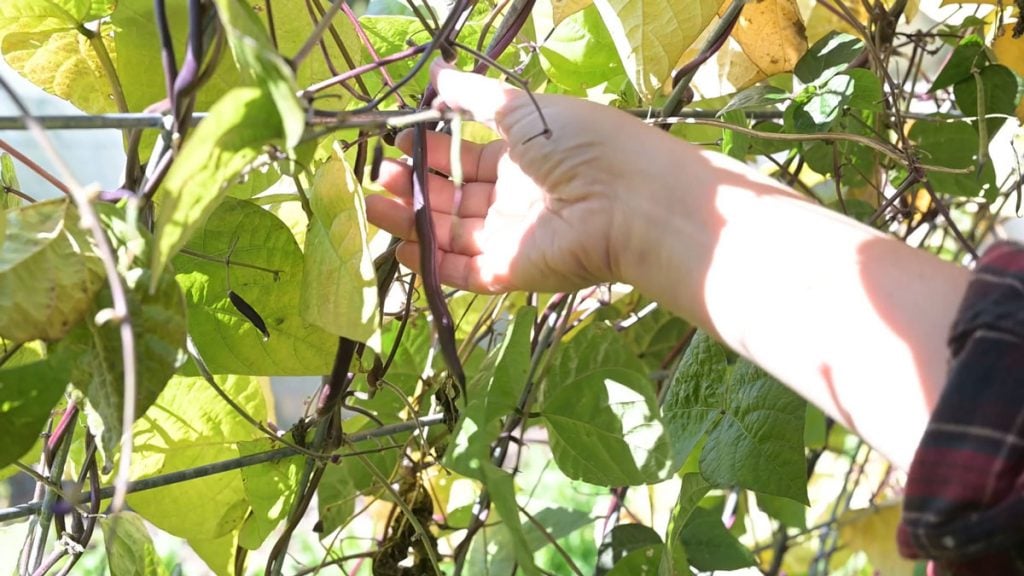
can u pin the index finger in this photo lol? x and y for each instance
(479, 161)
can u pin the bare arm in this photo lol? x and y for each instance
(853, 321)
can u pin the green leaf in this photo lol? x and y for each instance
(8, 179)
(953, 144)
(228, 140)
(760, 96)
(256, 58)
(139, 59)
(789, 512)
(691, 490)
(46, 15)
(596, 347)
(190, 426)
(48, 273)
(867, 90)
(652, 35)
(336, 499)
(827, 57)
(158, 325)
(138, 49)
(499, 557)
(753, 424)
(130, 550)
(579, 54)
(27, 395)
(969, 55)
(266, 270)
(709, 546)
(270, 488)
(734, 143)
(654, 337)
(814, 427)
(622, 540)
(855, 161)
(339, 286)
(219, 554)
(43, 41)
(492, 396)
(605, 428)
(999, 89)
(821, 105)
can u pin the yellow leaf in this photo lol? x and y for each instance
(1009, 52)
(911, 9)
(651, 35)
(64, 64)
(988, 2)
(771, 34)
(821, 21)
(874, 532)
(736, 68)
(562, 9)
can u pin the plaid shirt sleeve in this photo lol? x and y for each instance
(964, 502)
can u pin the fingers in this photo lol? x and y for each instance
(477, 197)
(479, 161)
(459, 235)
(484, 98)
(456, 270)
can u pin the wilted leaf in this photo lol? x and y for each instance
(339, 286)
(266, 270)
(130, 550)
(27, 395)
(651, 35)
(754, 425)
(228, 140)
(771, 34)
(48, 273)
(189, 426)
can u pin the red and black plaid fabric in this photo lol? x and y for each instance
(964, 503)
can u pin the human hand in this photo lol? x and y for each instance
(536, 213)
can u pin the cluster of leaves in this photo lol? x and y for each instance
(238, 249)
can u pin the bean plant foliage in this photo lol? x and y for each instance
(588, 432)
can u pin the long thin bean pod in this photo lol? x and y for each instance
(428, 261)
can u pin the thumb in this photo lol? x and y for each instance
(486, 99)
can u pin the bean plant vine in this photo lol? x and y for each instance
(452, 433)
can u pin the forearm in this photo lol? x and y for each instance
(853, 321)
